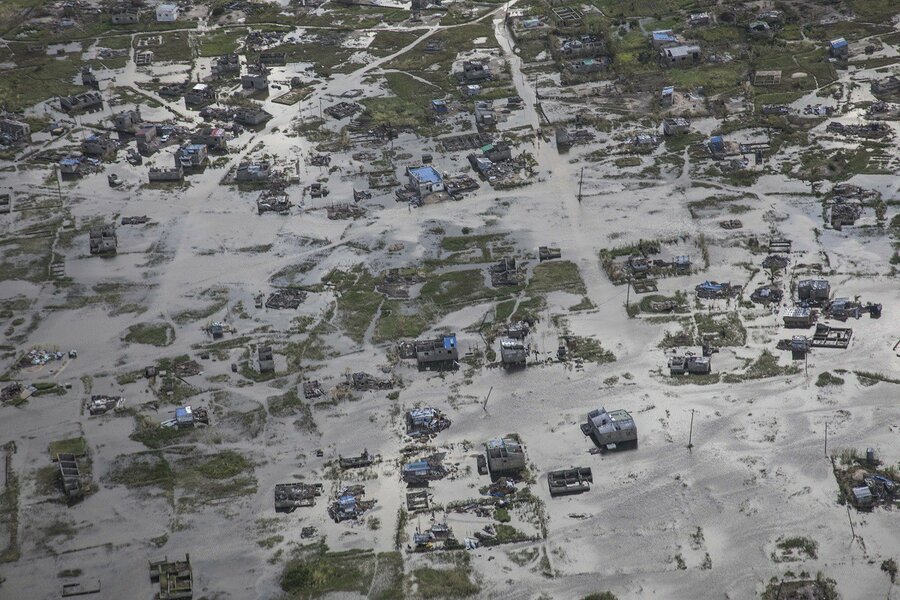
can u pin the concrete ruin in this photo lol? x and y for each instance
(425, 421)
(290, 496)
(570, 481)
(103, 240)
(175, 578)
(513, 352)
(689, 364)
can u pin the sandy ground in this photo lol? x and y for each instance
(757, 470)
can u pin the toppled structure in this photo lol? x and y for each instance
(363, 382)
(350, 504)
(289, 298)
(422, 471)
(690, 364)
(425, 421)
(608, 429)
(813, 292)
(440, 353)
(266, 360)
(570, 481)
(274, 199)
(504, 455)
(423, 541)
(176, 580)
(844, 308)
(81, 102)
(767, 294)
(513, 352)
(831, 337)
(312, 390)
(549, 253)
(70, 476)
(356, 462)
(103, 240)
(100, 404)
(289, 496)
(798, 316)
(714, 290)
(506, 272)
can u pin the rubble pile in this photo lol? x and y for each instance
(289, 298)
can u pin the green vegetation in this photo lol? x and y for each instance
(762, 368)
(152, 435)
(154, 334)
(314, 572)
(141, 470)
(556, 276)
(821, 588)
(589, 350)
(408, 107)
(825, 379)
(357, 300)
(795, 548)
(290, 404)
(76, 446)
(868, 378)
(222, 41)
(601, 596)
(453, 582)
(723, 329)
(168, 46)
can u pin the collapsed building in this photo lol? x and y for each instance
(425, 421)
(103, 240)
(350, 504)
(513, 352)
(420, 472)
(100, 404)
(439, 353)
(570, 481)
(813, 292)
(176, 578)
(690, 364)
(289, 496)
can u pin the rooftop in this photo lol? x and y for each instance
(425, 174)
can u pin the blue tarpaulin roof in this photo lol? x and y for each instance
(449, 341)
(425, 175)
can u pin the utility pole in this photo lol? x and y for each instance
(627, 292)
(849, 518)
(691, 431)
(580, 183)
(484, 406)
(826, 439)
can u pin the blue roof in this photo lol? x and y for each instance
(449, 341)
(668, 90)
(420, 465)
(69, 161)
(425, 175)
(838, 43)
(665, 34)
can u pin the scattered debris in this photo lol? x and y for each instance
(289, 298)
(289, 496)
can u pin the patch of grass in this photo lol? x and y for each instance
(141, 470)
(290, 404)
(152, 435)
(357, 300)
(315, 572)
(270, 542)
(154, 334)
(825, 379)
(795, 548)
(454, 582)
(590, 350)
(76, 446)
(557, 275)
(222, 41)
(868, 378)
(724, 329)
(69, 573)
(762, 368)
